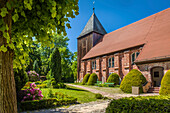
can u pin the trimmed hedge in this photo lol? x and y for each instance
(165, 84)
(92, 79)
(46, 103)
(85, 79)
(150, 104)
(133, 78)
(37, 104)
(113, 78)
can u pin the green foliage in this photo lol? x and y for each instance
(37, 104)
(148, 104)
(85, 79)
(21, 78)
(42, 86)
(165, 84)
(92, 79)
(55, 65)
(34, 18)
(133, 78)
(35, 66)
(50, 94)
(113, 78)
(98, 96)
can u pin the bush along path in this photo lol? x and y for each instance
(114, 96)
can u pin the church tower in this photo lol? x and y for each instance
(92, 33)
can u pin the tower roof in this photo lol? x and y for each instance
(93, 25)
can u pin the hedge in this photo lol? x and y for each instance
(92, 79)
(46, 103)
(133, 78)
(113, 78)
(85, 79)
(165, 84)
(154, 104)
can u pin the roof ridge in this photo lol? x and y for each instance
(139, 21)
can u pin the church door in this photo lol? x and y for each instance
(157, 74)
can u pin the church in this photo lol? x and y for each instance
(142, 45)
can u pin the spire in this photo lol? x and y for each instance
(93, 25)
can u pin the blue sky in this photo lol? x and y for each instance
(113, 14)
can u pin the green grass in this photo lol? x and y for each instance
(82, 96)
(111, 90)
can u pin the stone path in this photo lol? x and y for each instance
(114, 96)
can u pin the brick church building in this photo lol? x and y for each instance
(142, 45)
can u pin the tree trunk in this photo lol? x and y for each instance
(8, 102)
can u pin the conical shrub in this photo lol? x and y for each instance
(92, 79)
(165, 84)
(133, 78)
(113, 78)
(85, 79)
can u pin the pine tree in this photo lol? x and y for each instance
(55, 65)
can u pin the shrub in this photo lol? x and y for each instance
(85, 79)
(32, 94)
(42, 86)
(92, 79)
(98, 96)
(154, 104)
(113, 78)
(37, 104)
(133, 78)
(165, 84)
(33, 76)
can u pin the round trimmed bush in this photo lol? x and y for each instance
(133, 78)
(165, 84)
(113, 78)
(92, 79)
(85, 79)
(98, 96)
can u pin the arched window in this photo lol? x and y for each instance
(109, 62)
(137, 53)
(133, 58)
(94, 64)
(113, 63)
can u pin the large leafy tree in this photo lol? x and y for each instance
(20, 20)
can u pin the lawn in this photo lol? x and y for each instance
(111, 90)
(82, 96)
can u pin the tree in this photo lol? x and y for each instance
(55, 65)
(20, 20)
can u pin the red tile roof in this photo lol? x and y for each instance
(153, 32)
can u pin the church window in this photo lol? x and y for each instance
(113, 62)
(109, 62)
(137, 53)
(133, 58)
(94, 64)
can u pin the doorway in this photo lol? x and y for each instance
(157, 74)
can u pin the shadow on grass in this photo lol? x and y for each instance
(70, 88)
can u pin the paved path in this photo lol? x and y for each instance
(115, 96)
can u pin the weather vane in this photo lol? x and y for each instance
(93, 6)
